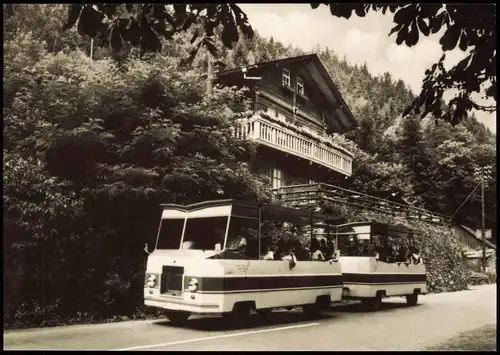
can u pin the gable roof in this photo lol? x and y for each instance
(323, 80)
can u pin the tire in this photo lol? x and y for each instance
(372, 304)
(177, 317)
(239, 315)
(264, 313)
(411, 300)
(312, 310)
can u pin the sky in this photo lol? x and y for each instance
(361, 39)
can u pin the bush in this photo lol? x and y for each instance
(477, 278)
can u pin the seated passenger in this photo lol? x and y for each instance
(280, 248)
(269, 255)
(389, 254)
(330, 247)
(324, 249)
(238, 244)
(299, 251)
(316, 253)
(415, 256)
(266, 251)
(402, 255)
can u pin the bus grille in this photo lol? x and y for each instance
(171, 280)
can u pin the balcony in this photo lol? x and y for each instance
(276, 136)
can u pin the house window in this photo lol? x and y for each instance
(286, 78)
(300, 86)
(277, 178)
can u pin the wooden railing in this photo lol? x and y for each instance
(278, 137)
(311, 194)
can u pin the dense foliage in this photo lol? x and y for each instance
(470, 26)
(92, 147)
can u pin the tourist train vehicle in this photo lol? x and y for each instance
(215, 257)
(230, 257)
(379, 260)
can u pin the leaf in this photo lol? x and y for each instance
(492, 91)
(412, 38)
(360, 10)
(402, 34)
(405, 15)
(110, 10)
(73, 15)
(133, 33)
(210, 46)
(435, 23)
(314, 6)
(341, 10)
(229, 34)
(450, 38)
(395, 29)
(129, 7)
(464, 42)
(116, 39)
(423, 26)
(150, 41)
(195, 36)
(90, 22)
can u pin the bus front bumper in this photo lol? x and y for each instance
(179, 304)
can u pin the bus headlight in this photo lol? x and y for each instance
(193, 285)
(151, 282)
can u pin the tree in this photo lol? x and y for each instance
(142, 134)
(142, 25)
(471, 26)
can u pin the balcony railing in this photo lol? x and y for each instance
(278, 137)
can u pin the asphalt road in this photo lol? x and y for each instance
(436, 318)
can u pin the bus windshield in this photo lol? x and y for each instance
(170, 234)
(204, 232)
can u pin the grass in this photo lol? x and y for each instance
(479, 339)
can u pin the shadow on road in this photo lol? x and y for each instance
(253, 321)
(359, 308)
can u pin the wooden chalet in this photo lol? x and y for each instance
(297, 106)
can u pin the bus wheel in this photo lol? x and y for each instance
(411, 300)
(240, 313)
(372, 304)
(177, 317)
(312, 310)
(264, 313)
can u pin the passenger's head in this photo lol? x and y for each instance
(297, 244)
(323, 243)
(314, 244)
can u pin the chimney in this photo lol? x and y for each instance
(251, 58)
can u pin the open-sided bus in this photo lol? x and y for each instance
(196, 268)
(375, 263)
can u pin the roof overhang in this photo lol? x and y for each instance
(321, 78)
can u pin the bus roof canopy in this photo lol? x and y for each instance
(250, 209)
(377, 228)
